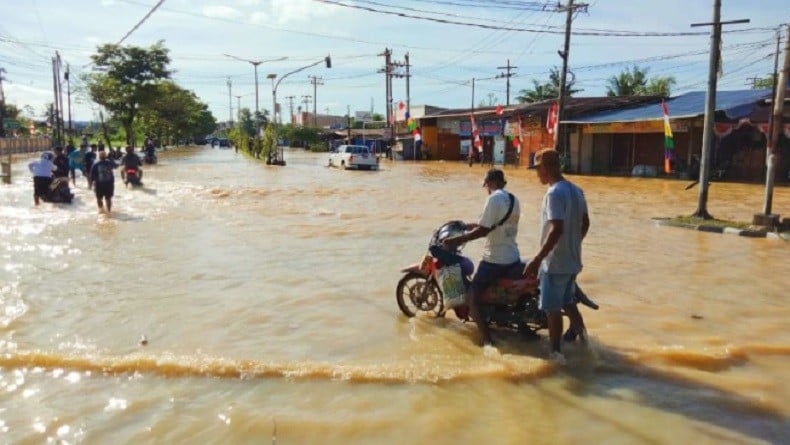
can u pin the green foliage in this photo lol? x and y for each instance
(764, 83)
(302, 136)
(246, 121)
(127, 80)
(548, 90)
(378, 117)
(175, 114)
(269, 145)
(636, 83)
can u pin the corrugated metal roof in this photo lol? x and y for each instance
(735, 104)
(573, 106)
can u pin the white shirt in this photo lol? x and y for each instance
(42, 167)
(563, 201)
(500, 246)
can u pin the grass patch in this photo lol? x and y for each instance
(693, 220)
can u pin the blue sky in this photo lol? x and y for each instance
(444, 57)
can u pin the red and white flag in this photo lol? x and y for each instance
(499, 110)
(551, 119)
(475, 134)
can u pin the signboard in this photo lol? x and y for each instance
(634, 127)
(486, 128)
(363, 116)
(465, 145)
(10, 124)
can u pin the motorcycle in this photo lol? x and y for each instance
(59, 191)
(150, 158)
(132, 176)
(510, 303)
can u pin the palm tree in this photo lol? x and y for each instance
(659, 86)
(549, 90)
(539, 92)
(628, 83)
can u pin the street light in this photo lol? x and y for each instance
(255, 64)
(328, 61)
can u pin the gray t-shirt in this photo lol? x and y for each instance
(500, 246)
(563, 201)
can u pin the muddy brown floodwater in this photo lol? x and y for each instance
(266, 296)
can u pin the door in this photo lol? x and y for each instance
(499, 150)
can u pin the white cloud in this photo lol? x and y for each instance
(292, 11)
(222, 12)
(248, 2)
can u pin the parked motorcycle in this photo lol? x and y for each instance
(511, 303)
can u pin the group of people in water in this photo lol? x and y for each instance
(51, 172)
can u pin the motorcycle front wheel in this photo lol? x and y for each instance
(416, 292)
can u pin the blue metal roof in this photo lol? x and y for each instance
(735, 104)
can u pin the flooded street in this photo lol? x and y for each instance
(267, 299)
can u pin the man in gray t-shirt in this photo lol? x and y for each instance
(499, 225)
(564, 223)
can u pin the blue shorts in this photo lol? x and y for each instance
(556, 290)
(487, 273)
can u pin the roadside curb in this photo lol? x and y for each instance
(749, 233)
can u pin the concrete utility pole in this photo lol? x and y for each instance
(306, 100)
(315, 81)
(387, 70)
(2, 104)
(291, 107)
(68, 94)
(710, 106)
(570, 9)
(507, 75)
(56, 120)
(230, 103)
(400, 75)
(766, 218)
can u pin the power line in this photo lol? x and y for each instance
(602, 33)
(156, 6)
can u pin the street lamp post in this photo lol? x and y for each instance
(255, 64)
(328, 61)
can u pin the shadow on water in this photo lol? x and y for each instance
(607, 373)
(617, 376)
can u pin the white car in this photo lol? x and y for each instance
(354, 156)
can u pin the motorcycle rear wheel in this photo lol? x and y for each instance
(417, 293)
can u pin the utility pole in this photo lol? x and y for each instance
(387, 70)
(348, 122)
(56, 121)
(2, 105)
(306, 100)
(570, 9)
(507, 75)
(315, 81)
(768, 219)
(710, 106)
(68, 94)
(400, 75)
(230, 103)
(291, 107)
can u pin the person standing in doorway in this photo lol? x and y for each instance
(102, 178)
(564, 224)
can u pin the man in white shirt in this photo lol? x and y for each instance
(499, 225)
(564, 224)
(42, 175)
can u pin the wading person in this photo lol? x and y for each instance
(88, 159)
(103, 181)
(564, 224)
(499, 225)
(61, 163)
(42, 175)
